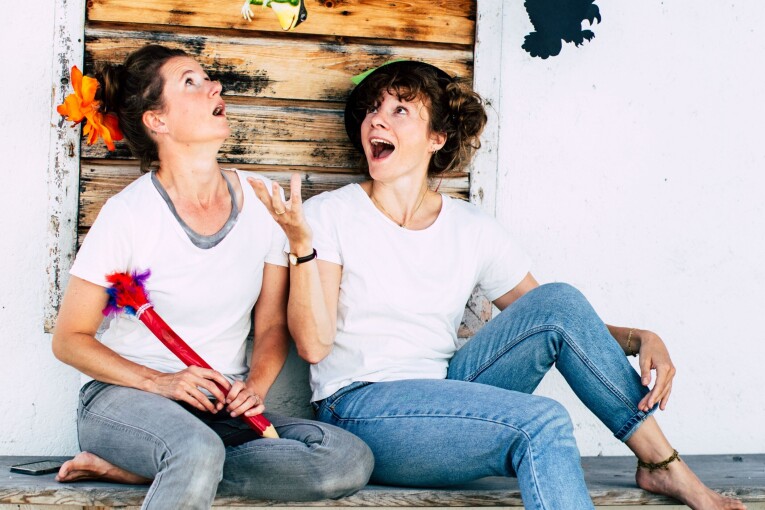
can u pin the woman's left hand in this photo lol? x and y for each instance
(242, 400)
(655, 356)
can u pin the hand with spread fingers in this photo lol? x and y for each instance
(243, 400)
(289, 215)
(655, 356)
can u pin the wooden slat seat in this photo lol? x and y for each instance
(610, 480)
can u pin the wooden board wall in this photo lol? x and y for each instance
(285, 90)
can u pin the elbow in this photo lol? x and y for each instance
(57, 346)
(313, 354)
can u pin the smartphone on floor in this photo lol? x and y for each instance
(40, 467)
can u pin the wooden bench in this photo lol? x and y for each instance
(610, 480)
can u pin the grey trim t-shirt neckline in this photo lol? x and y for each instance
(199, 240)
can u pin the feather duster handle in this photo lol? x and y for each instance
(128, 294)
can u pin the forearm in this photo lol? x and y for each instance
(629, 339)
(310, 322)
(94, 359)
(269, 353)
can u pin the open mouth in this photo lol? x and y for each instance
(381, 148)
(219, 110)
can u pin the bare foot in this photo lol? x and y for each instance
(86, 466)
(679, 482)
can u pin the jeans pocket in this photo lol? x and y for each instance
(329, 404)
(89, 391)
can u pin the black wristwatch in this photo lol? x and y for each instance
(295, 260)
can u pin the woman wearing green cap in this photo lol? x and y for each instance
(379, 276)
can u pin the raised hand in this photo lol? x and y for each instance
(289, 215)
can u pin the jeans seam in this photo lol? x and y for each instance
(504, 424)
(575, 348)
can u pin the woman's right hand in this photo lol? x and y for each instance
(289, 215)
(184, 386)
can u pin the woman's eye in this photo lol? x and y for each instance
(401, 109)
(189, 81)
(372, 109)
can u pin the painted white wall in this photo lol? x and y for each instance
(39, 392)
(632, 167)
(630, 170)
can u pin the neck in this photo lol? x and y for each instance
(400, 203)
(190, 175)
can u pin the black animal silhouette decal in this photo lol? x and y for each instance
(556, 21)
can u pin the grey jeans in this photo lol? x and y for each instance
(190, 455)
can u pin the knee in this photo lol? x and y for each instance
(346, 469)
(200, 456)
(565, 304)
(552, 422)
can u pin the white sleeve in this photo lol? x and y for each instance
(322, 217)
(107, 247)
(505, 263)
(276, 253)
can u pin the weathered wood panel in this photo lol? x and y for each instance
(438, 21)
(266, 135)
(275, 67)
(100, 180)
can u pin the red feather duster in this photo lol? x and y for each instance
(128, 293)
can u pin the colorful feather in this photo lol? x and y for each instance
(127, 293)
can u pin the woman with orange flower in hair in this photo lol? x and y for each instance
(215, 255)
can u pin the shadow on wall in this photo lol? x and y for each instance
(556, 21)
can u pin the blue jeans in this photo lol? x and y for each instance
(482, 420)
(190, 455)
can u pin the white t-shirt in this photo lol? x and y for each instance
(403, 292)
(205, 295)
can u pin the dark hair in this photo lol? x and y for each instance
(455, 109)
(133, 88)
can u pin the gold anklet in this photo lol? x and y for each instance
(651, 466)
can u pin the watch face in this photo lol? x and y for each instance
(293, 259)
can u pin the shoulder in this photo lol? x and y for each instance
(130, 201)
(468, 214)
(244, 175)
(334, 202)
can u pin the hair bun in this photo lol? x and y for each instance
(110, 76)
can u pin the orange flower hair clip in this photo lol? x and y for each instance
(82, 105)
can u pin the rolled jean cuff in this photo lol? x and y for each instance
(629, 428)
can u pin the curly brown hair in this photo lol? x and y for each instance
(133, 88)
(455, 109)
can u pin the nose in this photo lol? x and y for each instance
(377, 119)
(217, 88)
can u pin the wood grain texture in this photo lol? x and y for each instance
(439, 21)
(100, 180)
(610, 480)
(274, 67)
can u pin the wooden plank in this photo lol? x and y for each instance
(63, 163)
(438, 21)
(101, 180)
(274, 67)
(267, 135)
(610, 481)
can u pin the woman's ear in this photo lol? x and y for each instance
(437, 140)
(154, 122)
